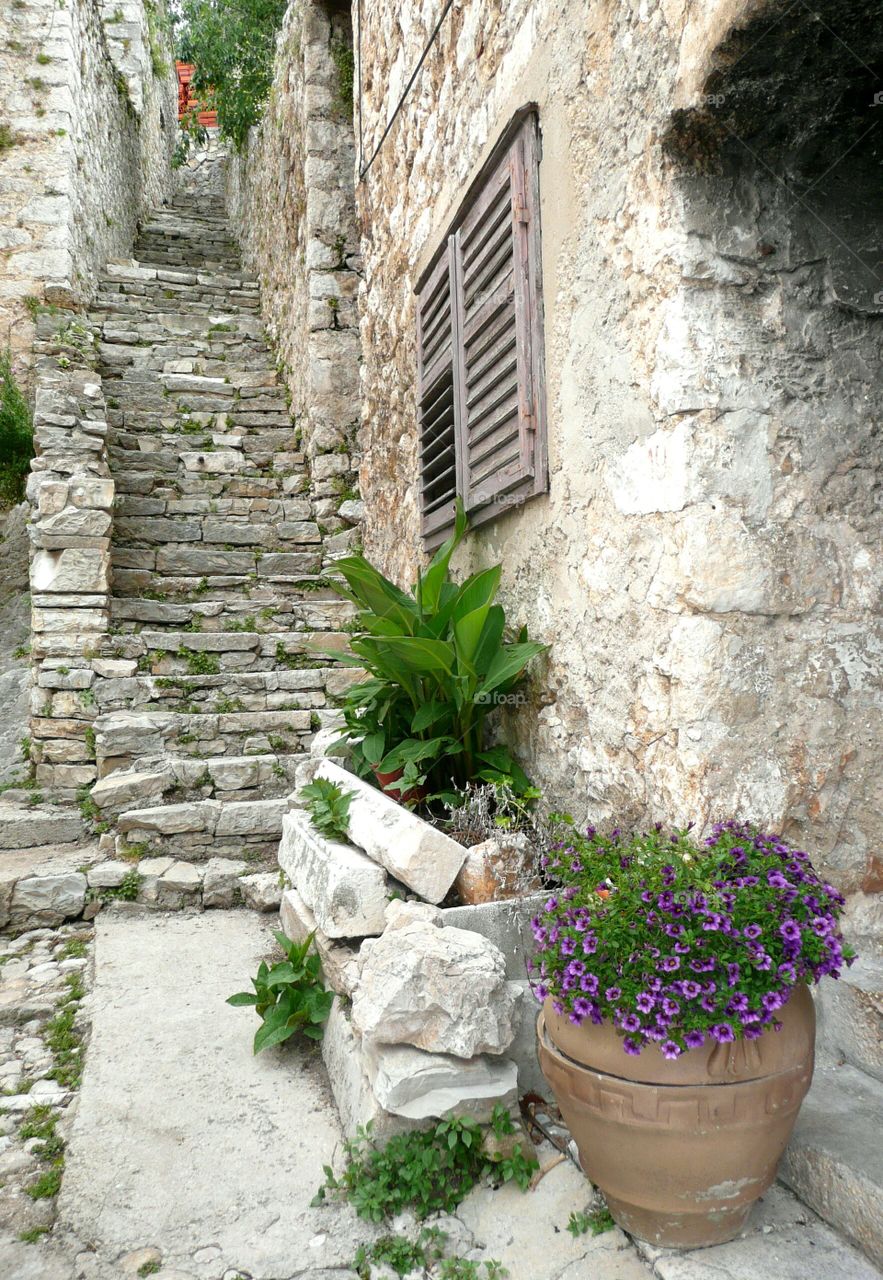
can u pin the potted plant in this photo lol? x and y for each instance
(677, 1030)
(439, 661)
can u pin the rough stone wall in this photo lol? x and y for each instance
(290, 196)
(82, 160)
(706, 565)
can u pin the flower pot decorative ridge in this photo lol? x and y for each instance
(681, 1149)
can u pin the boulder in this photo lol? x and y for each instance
(345, 890)
(422, 857)
(48, 899)
(439, 989)
(497, 869)
(418, 1085)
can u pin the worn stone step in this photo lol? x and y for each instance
(312, 608)
(32, 826)
(124, 736)
(206, 828)
(834, 1161)
(217, 777)
(44, 885)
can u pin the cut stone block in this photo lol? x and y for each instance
(423, 858)
(439, 989)
(262, 891)
(118, 790)
(108, 875)
(496, 870)
(251, 818)
(353, 1095)
(421, 1086)
(346, 890)
(505, 924)
(340, 968)
(220, 884)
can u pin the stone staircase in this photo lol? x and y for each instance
(213, 685)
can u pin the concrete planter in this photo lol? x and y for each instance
(681, 1149)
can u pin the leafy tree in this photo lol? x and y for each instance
(231, 44)
(16, 436)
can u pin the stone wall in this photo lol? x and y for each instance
(706, 565)
(86, 149)
(290, 196)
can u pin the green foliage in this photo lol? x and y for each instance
(597, 1221)
(149, 1268)
(329, 807)
(48, 1184)
(200, 663)
(439, 662)
(8, 139)
(32, 1235)
(430, 1171)
(16, 430)
(345, 63)
(191, 136)
(289, 996)
(399, 1254)
(74, 949)
(232, 44)
(63, 1038)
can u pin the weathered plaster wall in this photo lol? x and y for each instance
(290, 195)
(86, 154)
(706, 566)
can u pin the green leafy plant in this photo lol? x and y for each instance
(289, 997)
(400, 1254)
(438, 662)
(232, 44)
(597, 1221)
(429, 1171)
(16, 434)
(329, 807)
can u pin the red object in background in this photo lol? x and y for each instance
(186, 101)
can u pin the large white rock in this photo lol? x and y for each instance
(345, 890)
(350, 1086)
(220, 884)
(419, 855)
(418, 1085)
(48, 899)
(340, 969)
(443, 990)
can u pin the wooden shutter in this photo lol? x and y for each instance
(436, 348)
(498, 323)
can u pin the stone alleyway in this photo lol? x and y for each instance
(185, 1156)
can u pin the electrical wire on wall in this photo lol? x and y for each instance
(363, 166)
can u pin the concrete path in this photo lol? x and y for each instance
(190, 1159)
(184, 1142)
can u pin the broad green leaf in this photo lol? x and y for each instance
(241, 998)
(468, 631)
(510, 661)
(428, 714)
(268, 1035)
(422, 655)
(478, 590)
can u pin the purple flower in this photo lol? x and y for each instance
(771, 1001)
(541, 992)
(589, 983)
(613, 994)
(631, 1046)
(788, 973)
(752, 931)
(723, 1032)
(567, 947)
(752, 1032)
(645, 1001)
(790, 931)
(690, 989)
(590, 944)
(821, 925)
(631, 1022)
(668, 964)
(669, 1049)
(670, 1007)
(551, 905)
(694, 1039)
(732, 974)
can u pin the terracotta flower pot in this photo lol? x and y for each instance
(414, 795)
(683, 1148)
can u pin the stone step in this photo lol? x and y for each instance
(834, 1161)
(209, 653)
(274, 690)
(851, 1014)
(124, 736)
(310, 607)
(32, 826)
(174, 326)
(205, 829)
(44, 886)
(173, 778)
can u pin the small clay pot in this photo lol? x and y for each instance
(415, 795)
(681, 1149)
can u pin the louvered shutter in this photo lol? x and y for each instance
(436, 352)
(499, 378)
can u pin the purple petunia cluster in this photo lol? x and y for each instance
(675, 942)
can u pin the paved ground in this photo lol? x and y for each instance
(186, 1153)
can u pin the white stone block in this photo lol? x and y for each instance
(346, 891)
(418, 1085)
(419, 855)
